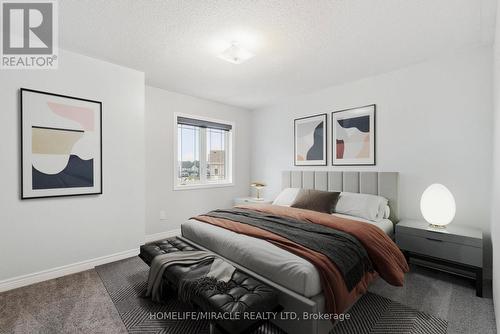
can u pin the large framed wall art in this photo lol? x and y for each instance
(61, 141)
(353, 136)
(310, 141)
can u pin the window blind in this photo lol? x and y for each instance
(203, 124)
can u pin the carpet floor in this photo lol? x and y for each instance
(82, 303)
(76, 303)
(446, 296)
(125, 282)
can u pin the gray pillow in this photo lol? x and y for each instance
(316, 200)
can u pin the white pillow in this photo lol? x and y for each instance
(287, 197)
(387, 212)
(365, 206)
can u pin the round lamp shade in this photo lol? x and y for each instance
(438, 205)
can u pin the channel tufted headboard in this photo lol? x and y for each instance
(384, 184)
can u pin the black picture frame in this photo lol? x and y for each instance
(22, 91)
(325, 130)
(333, 136)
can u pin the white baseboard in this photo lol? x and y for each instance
(20, 281)
(162, 235)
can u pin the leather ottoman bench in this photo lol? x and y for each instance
(246, 296)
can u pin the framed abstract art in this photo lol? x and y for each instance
(61, 141)
(353, 136)
(310, 140)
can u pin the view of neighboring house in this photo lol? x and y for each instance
(216, 164)
(216, 167)
(189, 170)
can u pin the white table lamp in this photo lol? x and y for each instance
(438, 205)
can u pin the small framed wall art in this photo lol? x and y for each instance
(310, 140)
(61, 145)
(353, 136)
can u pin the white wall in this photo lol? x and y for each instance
(495, 199)
(433, 125)
(41, 234)
(183, 204)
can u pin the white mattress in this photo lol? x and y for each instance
(262, 257)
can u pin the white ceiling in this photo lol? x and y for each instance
(300, 45)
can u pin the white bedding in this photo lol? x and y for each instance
(262, 257)
(385, 224)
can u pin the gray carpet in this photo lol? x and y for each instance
(76, 303)
(375, 314)
(79, 303)
(446, 296)
(125, 282)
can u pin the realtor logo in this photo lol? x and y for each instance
(29, 34)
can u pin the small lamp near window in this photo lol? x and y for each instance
(438, 205)
(258, 187)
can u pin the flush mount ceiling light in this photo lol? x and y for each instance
(235, 54)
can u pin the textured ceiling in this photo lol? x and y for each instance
(300, 46)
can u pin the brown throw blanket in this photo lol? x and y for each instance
(387, 259)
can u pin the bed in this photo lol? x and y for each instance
(296, 278)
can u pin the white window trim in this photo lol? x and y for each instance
(229, 159)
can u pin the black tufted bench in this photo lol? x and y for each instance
(246, 296)
(150, 250)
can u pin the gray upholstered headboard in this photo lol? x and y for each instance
(384, 184)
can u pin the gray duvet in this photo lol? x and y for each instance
(260, 256)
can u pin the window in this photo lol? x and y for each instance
(203, 152)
